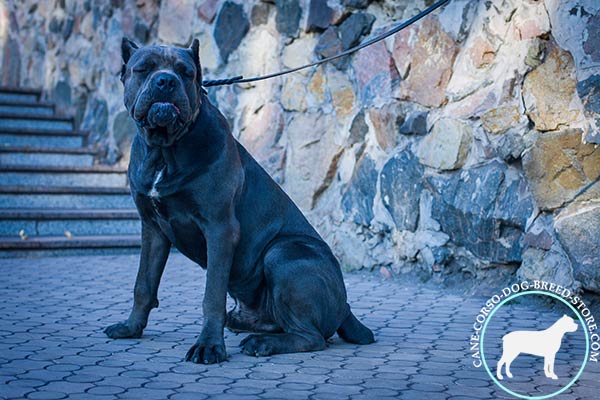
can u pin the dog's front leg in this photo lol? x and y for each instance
(210, 346)
(154, 254)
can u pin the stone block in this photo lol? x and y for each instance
(578, 231)
(558, 166)
(175, 21)
(484, 209)
(358, 195)
(230, 28)
(548, 91)
(447, 145)
(400, 186)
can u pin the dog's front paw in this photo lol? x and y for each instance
(206, 353)
(123, 330)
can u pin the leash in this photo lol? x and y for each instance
(398, 28)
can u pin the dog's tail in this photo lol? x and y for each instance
(353, 331)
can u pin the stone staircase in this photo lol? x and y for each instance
(53, 199)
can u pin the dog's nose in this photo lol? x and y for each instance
(165, 82)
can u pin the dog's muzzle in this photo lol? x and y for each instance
(163, 114)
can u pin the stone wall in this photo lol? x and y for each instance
(463, 148)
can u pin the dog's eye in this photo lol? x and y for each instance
(184, 70)
(143, 68)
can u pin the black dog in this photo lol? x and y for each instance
(198, 189)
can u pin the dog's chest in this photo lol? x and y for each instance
(154, 192)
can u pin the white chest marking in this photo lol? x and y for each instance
(153, 192)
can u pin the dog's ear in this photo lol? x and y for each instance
(195, 52)
(128, 47)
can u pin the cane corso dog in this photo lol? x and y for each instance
(197, 188)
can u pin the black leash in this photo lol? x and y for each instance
(240, 79)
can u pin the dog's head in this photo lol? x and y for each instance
(163, 87)
(568, 324)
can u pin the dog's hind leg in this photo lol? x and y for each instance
(296, 314)
(298, 335)
(501, 363)
(244, 319)
(306, 297)
(154, 254)
(277, 343)
(509, 361)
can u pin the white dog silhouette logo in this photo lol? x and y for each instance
(544, 343)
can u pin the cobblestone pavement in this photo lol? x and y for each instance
(53, 311)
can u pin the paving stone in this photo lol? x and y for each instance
(146, 394)
(480, 393)
(395, 382)
(188, 396)
(227, 396)
(138, 374)
(106, 390)
(44, 375)
(14, 392)
(428, 387)
(123, 381)
(27, 383)
(313, 371)
(215, 381)
(67, 387)
(188, 368)
(345, 381)
(244, 391)
(46, 395)
(311, 379)
(340, 390)
(434, 372)
(379, 393)
(473, 382)
(251, 383)
(162, 384)
(84, 378)
(265, 375)
(222, 373)
(329, 396)
(430, 379)
(28, 364)
(115, 363)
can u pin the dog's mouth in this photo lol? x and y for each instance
(162, 123)
(163, 115)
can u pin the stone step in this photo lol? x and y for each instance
(65, 197)
(61, 245)
(31, 175)
(25, 155)
(41, 138)
(47, 123)
(56, 222)
(24, 95)
(26, 109)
